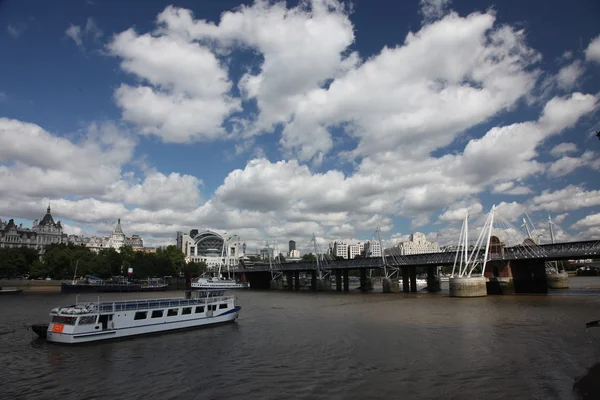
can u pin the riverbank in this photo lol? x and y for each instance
(53, 286)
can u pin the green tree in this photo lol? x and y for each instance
(191, 270)
(310, 257)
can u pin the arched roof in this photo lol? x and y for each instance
(209, 243)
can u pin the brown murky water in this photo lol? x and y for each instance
(325, 345)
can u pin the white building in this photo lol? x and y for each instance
(294, 253)
(211, 248)
(356, 250)
(339, 249)
(417, 244)
(372, 249)
(115, 241)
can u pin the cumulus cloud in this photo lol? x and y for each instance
(403, 115)
(592, 52)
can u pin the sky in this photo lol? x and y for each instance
(279, 120)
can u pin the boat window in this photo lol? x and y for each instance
(199, 309)
(87, 320)
(222, 305)
(141, 315)
(157, 313)
(186, 310)
(213, 307)
(172, 312)
(57, 319)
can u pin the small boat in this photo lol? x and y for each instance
(90, 322)
(10, 290)
(216, 283)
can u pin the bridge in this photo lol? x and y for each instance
(544, 252)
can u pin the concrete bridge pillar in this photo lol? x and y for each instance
(413, 279)
(499, 278)
(346, 283)
(558, 281)
(338, 280)
(366, 283)
(324, 284)
(290, 280)
(296, 280)
(405, 280)
(468, 286)
(276, 284)
(433, 280)
(390, 285)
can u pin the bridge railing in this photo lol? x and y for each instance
(547, 251)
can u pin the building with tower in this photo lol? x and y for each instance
(115, 241)
(42, 233)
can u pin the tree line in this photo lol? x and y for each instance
(60, 260)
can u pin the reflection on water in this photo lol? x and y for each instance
(325, 345)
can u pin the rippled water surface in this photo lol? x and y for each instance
(325, 345)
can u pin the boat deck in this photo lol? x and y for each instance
(133, 305)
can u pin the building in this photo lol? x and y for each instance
(211, 248)
(372, 249)
(356, 250)
(292, 246)
(41, 234)
(294, 253)
(417, 244)
(115, 241)
(339, 249)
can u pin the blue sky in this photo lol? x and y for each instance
(335, 119)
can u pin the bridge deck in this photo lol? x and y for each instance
(546, 252)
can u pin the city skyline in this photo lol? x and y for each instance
(198, 117)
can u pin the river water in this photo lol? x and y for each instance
(289, 345)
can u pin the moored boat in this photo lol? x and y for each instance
(216, 283)
(10, 290)
(89, 322)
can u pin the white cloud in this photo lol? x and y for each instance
(433, 9)
(592, 220)
(16, 30)
(568, 76)
(511, 189)
(572, 197)
(566, 165)
(563, 148)
(457, 211)
(559, 219)
(78, 33)
(592, 52)
(185, 97)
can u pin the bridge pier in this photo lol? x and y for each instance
(313, 281)
(276, 284)
(558, 281)
(413, 279)
(390, 285)
(346, 281)
(499, 278)
(290, 281)
(338, 280)
(405, 280)
(468, 286)
(296, 281)
(366, 283)
(433, 280)
(529, 276)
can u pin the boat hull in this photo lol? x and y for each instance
(128, 332)
(10, 290)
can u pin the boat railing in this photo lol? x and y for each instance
(134, 305)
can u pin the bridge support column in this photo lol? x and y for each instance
(366, 283)
(324, 284)
(276, 284)
(405, 280)
(499, 278)
(390, 285)
(558, 281)
(468, 286)
(433, 280)
(290, 280)
(346, 281)
(338, 280)
(413, 279)
(296, 280)
(313, 281)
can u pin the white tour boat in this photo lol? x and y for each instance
(89, 322)
(216, 283)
